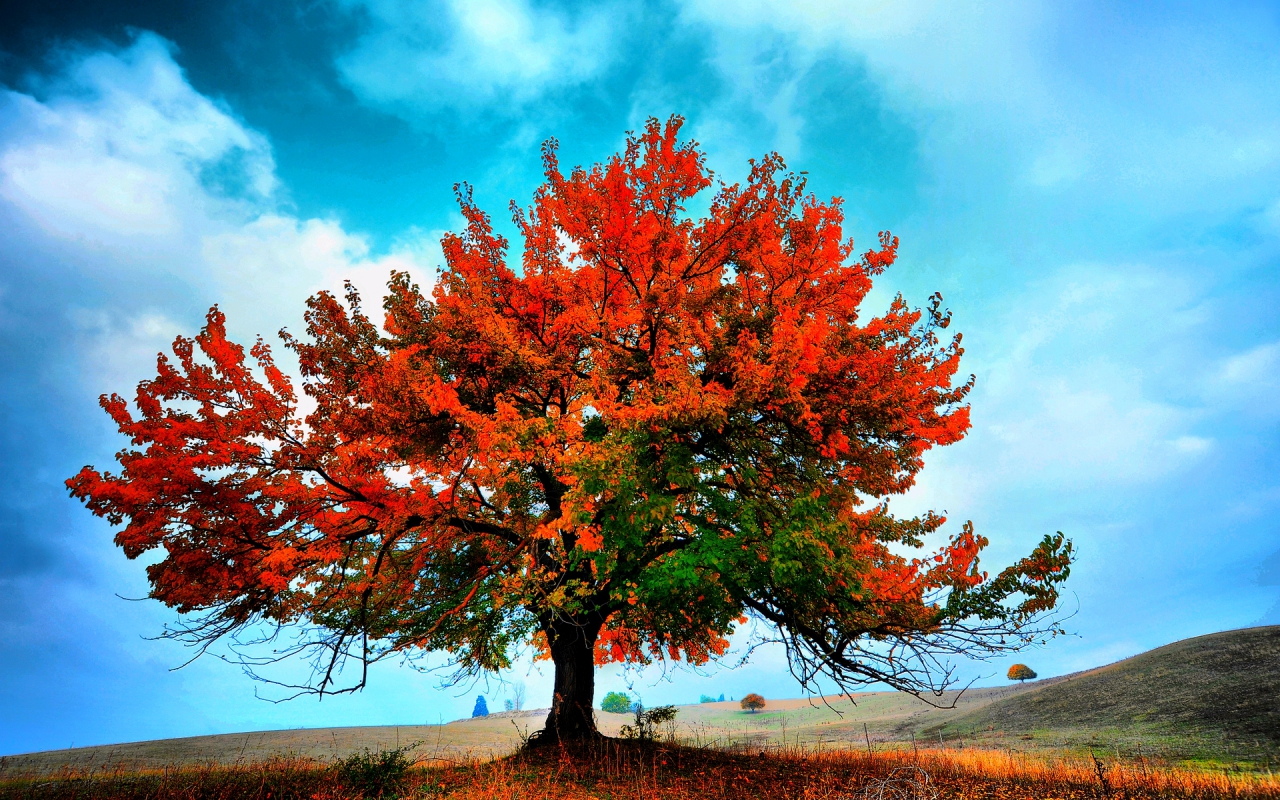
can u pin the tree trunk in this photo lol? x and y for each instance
(573, 647)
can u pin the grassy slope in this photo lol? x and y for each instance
(1215, 696)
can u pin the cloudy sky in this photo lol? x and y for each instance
(1093, 188)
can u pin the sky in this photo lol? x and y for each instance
(1094, 189)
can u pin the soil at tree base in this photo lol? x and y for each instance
(1211, 698)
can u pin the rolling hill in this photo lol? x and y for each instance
(1214, 697)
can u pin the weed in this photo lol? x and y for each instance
(378, 773)
(648, 721)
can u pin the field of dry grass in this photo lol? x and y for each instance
(1195, 719)
(887, 717)
(616, 770)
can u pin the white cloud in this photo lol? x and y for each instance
(465, 53)
(123, 149)
(1248, 382)
(121, 170)
(1068, 400)
(1259, 366)
(1163, 111)
(262, 265)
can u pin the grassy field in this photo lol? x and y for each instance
(1213, 698)
(888, 717)
(615, 770)
(1213, 701)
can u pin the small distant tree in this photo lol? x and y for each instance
(721, 700)
(752, 702)
(616, 703)
(481, 709)
(517, 695)
(706, 698)
(507, 705)
(1021, 672)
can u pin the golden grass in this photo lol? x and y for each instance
(617, 770)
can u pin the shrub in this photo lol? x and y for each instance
(752, 702)
(647, 722)
(1021, 672)
(616, 703)
(375, 774)
(481, 709)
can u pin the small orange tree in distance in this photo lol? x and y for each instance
(1021, 672)
(643, 430)
(752, 702)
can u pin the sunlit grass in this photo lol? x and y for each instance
(615, 769)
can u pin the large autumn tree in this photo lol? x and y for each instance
(619, 447)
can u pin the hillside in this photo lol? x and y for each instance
(1215, 696)
(887, 717)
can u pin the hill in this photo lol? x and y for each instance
(1211, 697)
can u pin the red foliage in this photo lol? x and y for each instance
(650, 426)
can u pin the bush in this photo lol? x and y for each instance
(616, 703)
(752, 702)
(647, 722)
(379, 774)
(1021, 672)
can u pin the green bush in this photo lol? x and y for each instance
(616, 703)
(375, 774)
(648, 721)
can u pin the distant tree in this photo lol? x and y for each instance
(507, 705)
(706, 698)
(617, 442)
(481, 709)
(1021, 672)
(752, 702)
(616, 703)
(721, 700)
(517, 695)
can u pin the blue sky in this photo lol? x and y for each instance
(1093, 188)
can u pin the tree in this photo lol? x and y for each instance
(481, 709)
(644, 431)
(752, 702)
(1021, 672)
(517, 695)
(616, 703)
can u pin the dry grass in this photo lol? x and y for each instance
(618, 770)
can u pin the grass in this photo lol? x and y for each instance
(1208, 699)
(1194, 719)
(618, 770)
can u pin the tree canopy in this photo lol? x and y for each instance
(618, 445)
(1021, 672)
